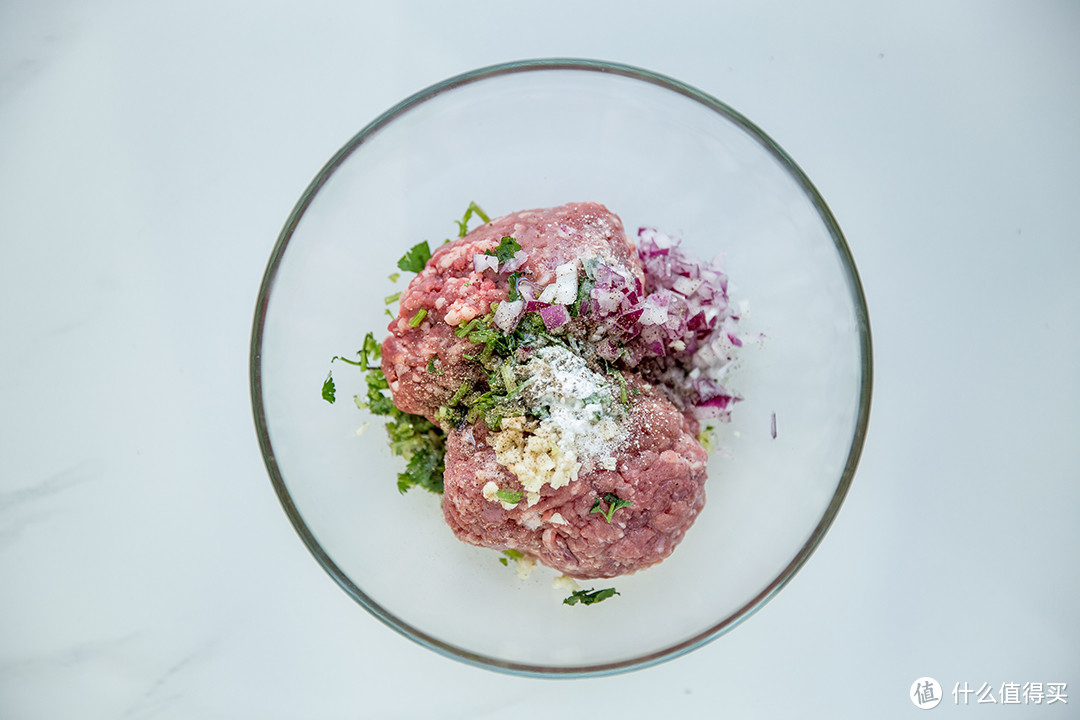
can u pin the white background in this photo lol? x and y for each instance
(149, 155)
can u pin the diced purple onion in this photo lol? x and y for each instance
(555, 316)
(515, 262)
(508, 313)
(482, 262)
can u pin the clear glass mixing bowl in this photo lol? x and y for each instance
(539, 134)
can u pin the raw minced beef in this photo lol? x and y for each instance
(577, 423)
(453, 292)
(661, 471)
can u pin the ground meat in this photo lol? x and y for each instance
(452, 293)
(658, 466)
(661, 471)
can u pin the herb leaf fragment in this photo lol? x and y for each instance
(413, 437)
(506, 249)
(463, 223)
(512, 555)
(416, 258)
(588, 597)
(614, 502)
(369, 353)
(513, 278)
(510, 496)
(418, 317)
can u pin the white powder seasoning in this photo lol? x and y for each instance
(576, 397)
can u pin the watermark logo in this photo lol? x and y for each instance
(925, 693)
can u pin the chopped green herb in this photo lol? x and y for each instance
(416, 258)
(392, 298)
(369, 354)
(584, 291)
(622, 387)
(705, 437)
(376, 402)
(513, 278)
(588, 597)
(359, 362)
(460, 394)
(463, 224)
(413, 437)
(510, 496)
(370, 351)
(418, 317)
(508, 246)
(394, 277)
(425, 469)
(589, 265)
(614, 502)
(511, 554)
(431, 367)
(507, 376)
(463, 330)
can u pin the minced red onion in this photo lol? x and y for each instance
(507, 314)
(555, 316)
(515, 262)
(678, 322)
(677, 327)
(535, 305)
(564, 290)
(482, 262)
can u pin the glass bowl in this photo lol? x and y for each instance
(539, 134)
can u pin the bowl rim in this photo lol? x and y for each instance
(597, 669)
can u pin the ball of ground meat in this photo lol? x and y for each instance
(424, 364)
(660, 470)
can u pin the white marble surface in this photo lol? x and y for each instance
(149, 154)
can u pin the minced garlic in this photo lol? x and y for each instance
(490, 491)
(536, 458)
(565, 582)
(581, 428)
(525, 565)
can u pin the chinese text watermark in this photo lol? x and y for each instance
(926, 693)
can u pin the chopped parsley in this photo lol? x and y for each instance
(705, 437)
(511, 496)
(513, 278)
(512, 555)
(461, 392)
(588, 597)
(463, 224)
(420, 442)
(418, 317)
(369, 354)
(392, 298)
(394, 277)
(416, 258)
(580, 306)
(622, 387)
(507, 248)
(613, 501)
(432, 367)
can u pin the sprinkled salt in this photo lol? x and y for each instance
(574, 395)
